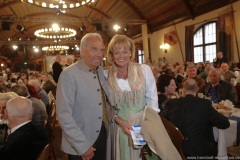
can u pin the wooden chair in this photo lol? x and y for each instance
(44, 154)
(175, 135)
(233, 151)
(52, 121)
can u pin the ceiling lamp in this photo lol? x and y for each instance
(55, 48)
(60, 4)
(55, 32)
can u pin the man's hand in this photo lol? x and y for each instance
(88, 155)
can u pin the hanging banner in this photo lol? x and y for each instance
(171, 38)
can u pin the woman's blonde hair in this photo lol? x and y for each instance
(120, 41)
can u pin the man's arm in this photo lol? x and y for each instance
(66, 94)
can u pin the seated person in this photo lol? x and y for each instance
(195, 118)
(167, 87)
(25, 141)
(39, 114)
(192, 73)
(218, 89)
(4, 97)
(226, 73)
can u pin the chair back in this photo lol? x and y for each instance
(175, 135)
(44, 154)
(50, 97)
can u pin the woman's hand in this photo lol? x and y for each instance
(124, 125)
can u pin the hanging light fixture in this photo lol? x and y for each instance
(55, 32)
(55, 48)
(61, 4)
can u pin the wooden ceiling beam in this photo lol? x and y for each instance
(188, 8)
(139, 13)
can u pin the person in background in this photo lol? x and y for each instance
(39, 114)
(195, 117)
(82, 104)
(132, 88)
(192, 74)
(167, 87)
(200, 67)
(57, 68)
(155, 72)
(41, 92)
(219, 60)
(4, 97)
(180, 75)
(25, 141)
(22, 79)
(218, 89)
(226, 73)
(69, 62)
(47, 84)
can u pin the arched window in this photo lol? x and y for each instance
(205, 44)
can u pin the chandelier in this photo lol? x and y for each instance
(55, 32)
(59, 4)
(55, 48)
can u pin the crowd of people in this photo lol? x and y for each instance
(97, 108)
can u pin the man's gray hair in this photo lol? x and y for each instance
(190, 85)
(21, 90)
(34, 82)
(85, 38)
(7, 96)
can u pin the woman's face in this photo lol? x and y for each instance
(121, 56)
(171, 88)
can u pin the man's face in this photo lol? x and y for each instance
(214, 77)
(219, 55)
(93, 52)
(224, 67)
(192, 72)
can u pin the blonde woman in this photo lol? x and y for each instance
(132, 86)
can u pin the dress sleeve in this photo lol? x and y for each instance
(151, 88)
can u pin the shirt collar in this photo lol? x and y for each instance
(18, 126)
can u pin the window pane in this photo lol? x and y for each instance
(210, 52)
(198, 54)
(210, 33)
(198, 37)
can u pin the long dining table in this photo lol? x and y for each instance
(228, 137)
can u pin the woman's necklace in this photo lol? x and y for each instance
(122, 75)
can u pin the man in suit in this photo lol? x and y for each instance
(220, 59)
(195, 118)
(25, 140)
(57, 68)
(47, 84)
(218, 89)
(81, 103)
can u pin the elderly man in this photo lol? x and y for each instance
(227, 74)
(218, 89)
(195, 117)
(40, 113)
(25, 140)
(192, 74)
(81, 103)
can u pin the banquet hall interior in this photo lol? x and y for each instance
(177, 32)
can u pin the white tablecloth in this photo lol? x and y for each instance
(225, 138)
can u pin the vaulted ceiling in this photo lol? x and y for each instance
(98, 16)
